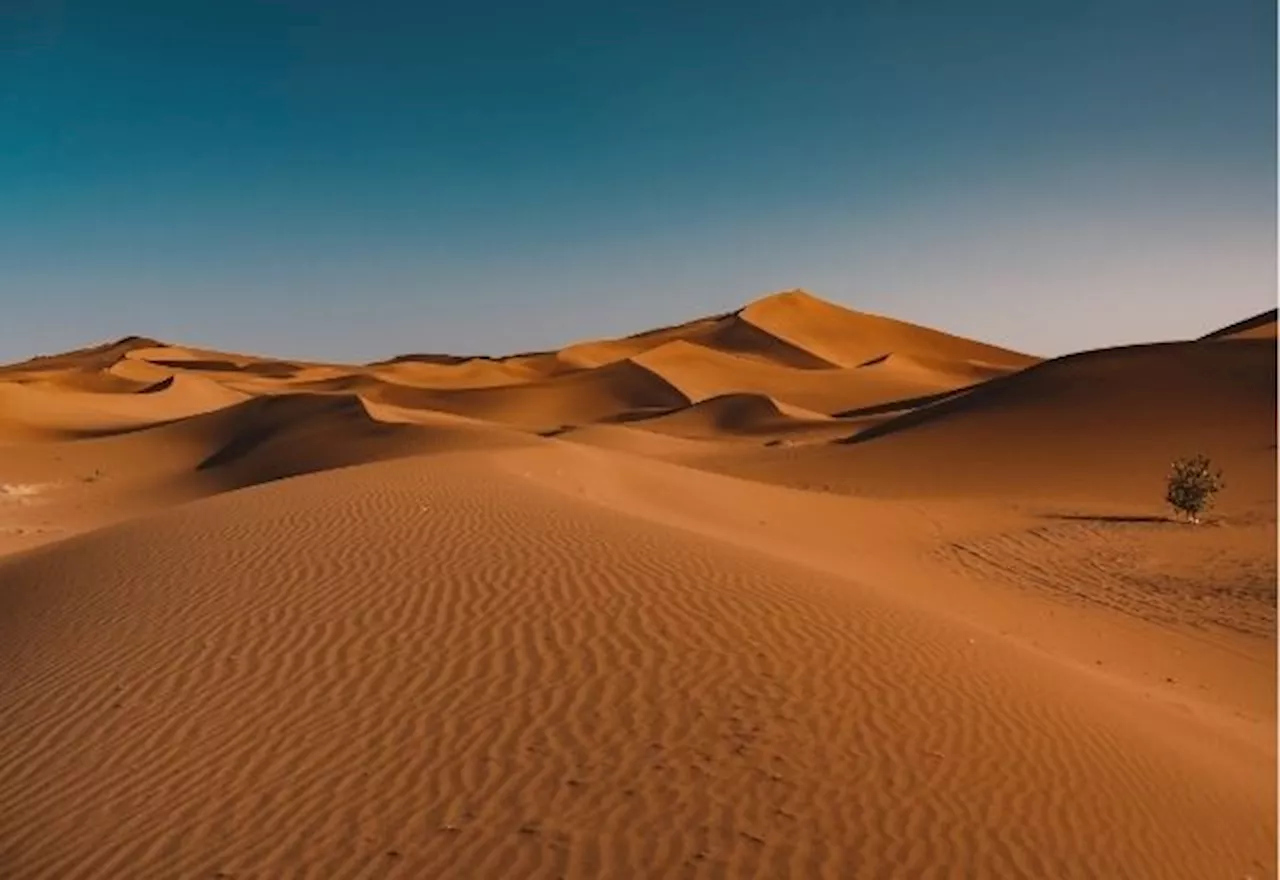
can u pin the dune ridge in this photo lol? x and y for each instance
(775, 346)
(785, 591)
(736, 414)
(849, 338)
(1100, 425)
(1260, 326)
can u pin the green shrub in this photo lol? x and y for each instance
(1192, 485)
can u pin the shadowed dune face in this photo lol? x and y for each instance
(468, 373)
(578, 614)
(734, 415)
(701, 373)
(923, 413)
(729, 334)
(279, 436)
(782, 347)
(851, 338)
(579, 397)
(98, 357)
(67, 412)
(1096, 425)
(1261, 326)
(269, 369)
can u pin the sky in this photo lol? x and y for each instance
(352, 180)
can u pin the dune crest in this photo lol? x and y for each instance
(850, 338)
(1261, 326)
(734, 414)
(791, 591)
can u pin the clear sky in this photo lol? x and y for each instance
(349, 180)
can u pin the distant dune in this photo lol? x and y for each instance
(734, 414)
(579, 397)
(1101, 424)
(730, 334)
(792, 591)
(1262, 326)
(57, 407)
(850, 338)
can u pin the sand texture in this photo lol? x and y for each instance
(789, 592)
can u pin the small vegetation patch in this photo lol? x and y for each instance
(1192, 484)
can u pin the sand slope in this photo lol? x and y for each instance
(734, 415)
(1099, 425)
(582, 613)
(728, 334)
(1261, 326)
(850, 338)
(544, 686)
(34, 409)
(574, 398)
(94, 357)
(702, 373)
(780, 346)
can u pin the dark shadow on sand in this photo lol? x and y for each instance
(1084, 517)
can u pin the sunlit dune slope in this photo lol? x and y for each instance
(1102, 424)
(701, 373)
(1261, 326)
(54, 410)
(728, 334)
(574, 398)
(779, 347)
(96, 369)
(798, 351)
(472, 666)
(850, 338)
(774, 346)
(277, 436)
(470, 373)
(95, 357)
(468, 617)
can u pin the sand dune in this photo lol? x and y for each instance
(64, 412)
(1099, 425)
(790, 591)
(96, 369)
(540, 685)
(105, 476)
(273, 437)
(519, 367)
(159, 351)
(742, 340)
(728, 334)
(574, 398)
(94, 357)
(472, 373)
(634, 440)
(270, 438)
(1261, 326)
(851, 338)
(734, 414)
(138, 371)
(588, 382)
(701, 373)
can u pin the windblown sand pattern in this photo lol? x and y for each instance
(896, 604)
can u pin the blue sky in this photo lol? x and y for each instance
(352, 180)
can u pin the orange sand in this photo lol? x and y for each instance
(791, 592)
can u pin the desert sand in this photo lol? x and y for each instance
(789, 592)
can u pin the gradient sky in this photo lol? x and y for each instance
(350, 180)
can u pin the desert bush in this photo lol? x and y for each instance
(1192, 485)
